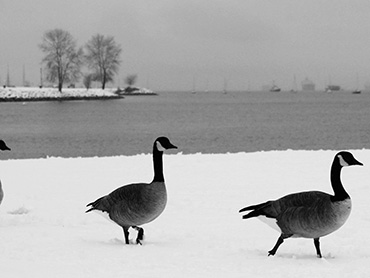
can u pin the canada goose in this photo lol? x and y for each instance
(310, 214)
(3, 146)
(138, 203)
(1, 193)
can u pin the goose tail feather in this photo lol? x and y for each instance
(96, 205)
(256, 210)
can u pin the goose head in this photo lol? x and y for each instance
(346, 159)
(3, 146)
(163, 143)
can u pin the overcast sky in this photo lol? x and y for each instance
(170, 43)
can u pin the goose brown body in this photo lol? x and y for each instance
(311, 214)
(138, 203)
(134, 204)
(306, 214)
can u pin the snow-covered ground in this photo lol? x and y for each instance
(27, 93)
(44, 231)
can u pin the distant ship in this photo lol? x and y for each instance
(275, 88)
(331, 88)
(294, 86)
(193, 91)
(225, 86)
(357, 91)
(308, 85)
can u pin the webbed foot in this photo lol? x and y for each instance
(140, 234)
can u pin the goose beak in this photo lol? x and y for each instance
(356, 162)
(172, 147)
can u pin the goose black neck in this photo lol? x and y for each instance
(340, 193)
(158, 165)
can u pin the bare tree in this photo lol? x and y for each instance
(62, 60)
(130, 79)
(102, 56)
(88, 78)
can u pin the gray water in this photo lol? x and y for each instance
(207, 122)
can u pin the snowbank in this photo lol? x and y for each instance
(38, 94)
(44, 231)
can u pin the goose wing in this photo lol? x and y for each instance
(127, 194)
(274, 208)
(307, 200)
(305, 214)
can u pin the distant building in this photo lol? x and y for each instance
(308, 85)
(331, 88)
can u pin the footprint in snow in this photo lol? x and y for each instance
(19, 211)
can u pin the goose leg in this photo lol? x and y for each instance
(140, 234)
(278, 243)
(316, 241)
(126, 234)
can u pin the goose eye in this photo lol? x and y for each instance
(342, 162)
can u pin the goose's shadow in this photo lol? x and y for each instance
(301, 256)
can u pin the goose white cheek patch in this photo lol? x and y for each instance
(342, 161)
(160, 147)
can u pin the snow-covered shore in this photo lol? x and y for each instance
(38, 94)
(44, 231)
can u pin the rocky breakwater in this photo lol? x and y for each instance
(23, 94)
